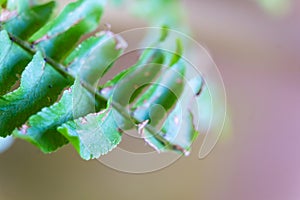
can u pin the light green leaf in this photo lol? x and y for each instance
(277, 8)
(82, 49)
(179, 129)
(40, 87)
(93, 58)
(59, 36)
(28, 21)
(93, 135)
(19, 5)
(178, 53)
(121, 87)
(164, 93)
(152, 56)
(160, 12)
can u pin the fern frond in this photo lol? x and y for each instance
(90, 118)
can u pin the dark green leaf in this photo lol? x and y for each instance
(13, 60)
(41, 129)
(40, 87)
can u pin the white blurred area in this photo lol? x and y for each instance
(5, 143)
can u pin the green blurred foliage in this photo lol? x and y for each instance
(277, 8)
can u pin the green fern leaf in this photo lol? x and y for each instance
(77, 19)
(165, 92)
(135, 77)
(178, 129)
(40, 87)
(91, 119)
(41, 129)
(13, 60)
(132, 75)
(93, 135)
(92, 59)
(128, 84)
(27, 22)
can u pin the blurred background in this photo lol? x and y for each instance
(256, 46)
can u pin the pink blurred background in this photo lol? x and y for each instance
(257, 53)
